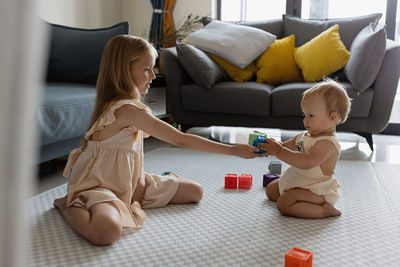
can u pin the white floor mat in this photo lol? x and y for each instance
(230, 227)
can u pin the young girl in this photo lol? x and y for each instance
(308, 188)
(107, 186)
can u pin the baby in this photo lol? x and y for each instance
(308, 188)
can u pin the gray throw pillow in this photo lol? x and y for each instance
(367, 52)
(306, 29)
(203, 70)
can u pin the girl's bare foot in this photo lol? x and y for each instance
(329, 210)
(60, 203)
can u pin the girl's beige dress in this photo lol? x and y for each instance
(109, 171)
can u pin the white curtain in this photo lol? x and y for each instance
(22, 51)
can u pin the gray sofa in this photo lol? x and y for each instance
(252, 104)
(69, 93)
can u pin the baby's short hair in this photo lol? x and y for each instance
(335, 96)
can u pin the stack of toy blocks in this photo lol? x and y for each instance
(245, 181)
(255, 138)
(297, 257)
(275, 168)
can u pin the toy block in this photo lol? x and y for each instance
(255, 139)
(253, 136)
(297, 257)
(275, 167)
(269, 177)
(245, 181)
(231, 181)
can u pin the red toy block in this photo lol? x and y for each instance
(297, 257)
(231, 181)
(245, 181)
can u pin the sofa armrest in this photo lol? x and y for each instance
(176, 76)
(385, 87)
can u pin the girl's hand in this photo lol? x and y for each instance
(272, 147)
(245, 151)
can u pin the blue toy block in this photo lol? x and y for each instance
(260, 139)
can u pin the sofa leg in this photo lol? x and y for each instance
(368, 137)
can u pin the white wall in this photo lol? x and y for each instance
(104, 13)
(82, 13)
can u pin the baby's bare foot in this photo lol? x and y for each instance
(60, 203)
(330, 210)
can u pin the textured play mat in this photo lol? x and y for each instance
(234, 227)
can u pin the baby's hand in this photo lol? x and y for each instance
(272, 147)
(245, 151)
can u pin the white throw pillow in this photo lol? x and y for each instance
(237, 44)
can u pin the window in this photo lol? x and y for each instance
(322, 9)
(252, 10)
(231, 10)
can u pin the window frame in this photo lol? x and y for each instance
(293, 7)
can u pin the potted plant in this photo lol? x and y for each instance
(175, 34)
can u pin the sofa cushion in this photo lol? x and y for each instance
(276, 65)
(367, 52)
(235, 73)
(237, 44)
(289, 95)
(273, 26)
(203, 70)
(322, 56)
(306, 29)
(247, 98)
(65, 111)
(75, 53)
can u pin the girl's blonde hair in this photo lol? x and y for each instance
(114, 81)
(334, 95)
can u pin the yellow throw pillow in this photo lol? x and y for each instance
(322, 55)
(237, 74)
(276, 65)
